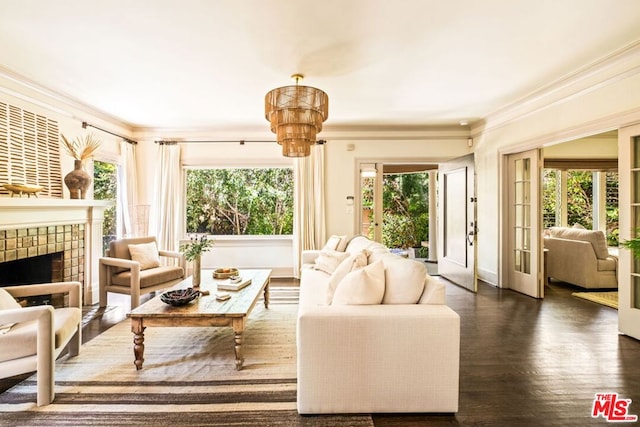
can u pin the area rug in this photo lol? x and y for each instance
(610, 299)
(188, 379)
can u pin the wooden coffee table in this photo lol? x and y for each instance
(204, 311)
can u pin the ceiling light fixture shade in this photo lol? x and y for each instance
(296, 114)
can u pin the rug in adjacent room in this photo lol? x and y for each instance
(610, 299)
(188, 378)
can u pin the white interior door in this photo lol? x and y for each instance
(523, 248)
(457, 222)
(629, 194)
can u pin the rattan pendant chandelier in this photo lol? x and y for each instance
(296, 114)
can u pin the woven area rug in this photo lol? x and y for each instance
(188, 379)
(610, 299)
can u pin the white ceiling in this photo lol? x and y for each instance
(190, 64)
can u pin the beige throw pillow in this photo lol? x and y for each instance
(335, 243)
(146, 254)
(329, 260)
(404, 281)
(7, 302)
(364, 286)
(353, 262)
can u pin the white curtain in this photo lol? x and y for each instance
(309, 210)
(165, 212)
(127, 189)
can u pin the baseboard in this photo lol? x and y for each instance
(489, 277)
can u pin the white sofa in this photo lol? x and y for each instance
(377, 358)
(581, 257)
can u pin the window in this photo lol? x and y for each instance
(582, 203)
(105, 186)
(252, 201)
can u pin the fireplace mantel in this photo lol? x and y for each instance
(17, 212)
(21, 212)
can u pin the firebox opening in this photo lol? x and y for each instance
(33, 270)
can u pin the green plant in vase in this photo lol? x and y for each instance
(193, 252)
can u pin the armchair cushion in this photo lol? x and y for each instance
(23, 339)
(7, 302)
(150, 277)
(146, 254)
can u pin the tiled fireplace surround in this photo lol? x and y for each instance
(31, 227)
(24, 243)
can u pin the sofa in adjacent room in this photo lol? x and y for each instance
(374, 334)
(581, 257)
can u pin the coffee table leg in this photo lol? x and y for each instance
(266, 294)
(238, 330)
(138, 342)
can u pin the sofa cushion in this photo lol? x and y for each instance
(358, 243)
(595, 237)
(329, 260)
(336, 243)
(351, 263)
(146, 254)
(7, 302)
(23, 340)
(150, 277)
(434, 292)
(404, 279)
(364, 286)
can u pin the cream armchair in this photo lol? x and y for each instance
(132, 267)
(39, 334)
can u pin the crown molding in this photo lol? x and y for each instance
(58, 102)
(603, 72)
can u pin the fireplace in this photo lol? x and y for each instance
(61, 236)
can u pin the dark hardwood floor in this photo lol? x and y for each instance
(522, 361)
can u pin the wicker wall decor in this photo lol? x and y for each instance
(29, 151)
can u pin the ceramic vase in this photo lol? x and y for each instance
(77, 181)
(196, 272)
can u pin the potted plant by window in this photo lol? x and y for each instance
(193, 252)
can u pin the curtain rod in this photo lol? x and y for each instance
(130, 141)
(240, 141)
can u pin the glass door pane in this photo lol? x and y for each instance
(635, 219)
(522, 218)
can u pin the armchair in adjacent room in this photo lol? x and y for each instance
(32, 338)
(132, 266)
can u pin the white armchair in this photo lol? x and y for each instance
(39, 334)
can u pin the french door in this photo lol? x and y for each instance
(523, 251)
(457, 248)
(629, 194)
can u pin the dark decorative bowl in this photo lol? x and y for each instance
(180, 296)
